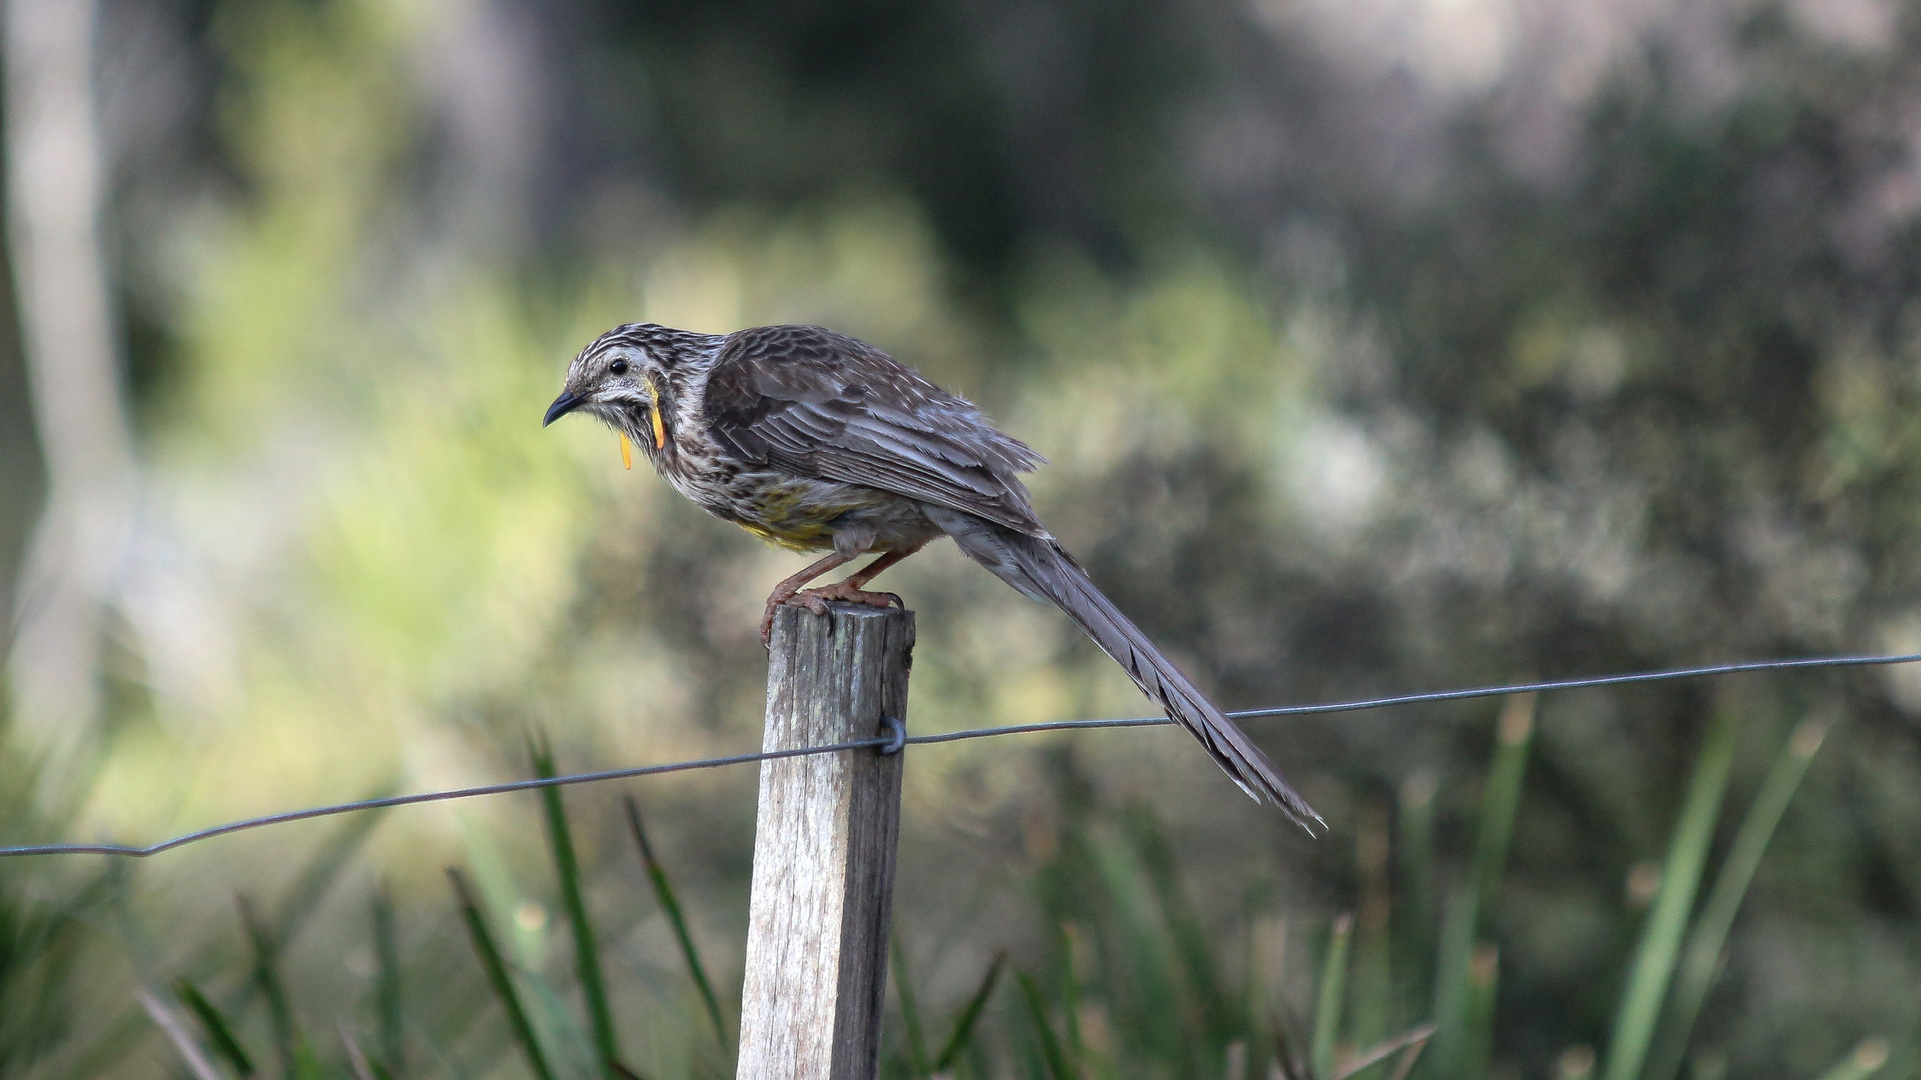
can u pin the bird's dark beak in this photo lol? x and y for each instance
(567, 402)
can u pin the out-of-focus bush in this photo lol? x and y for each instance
(1485, 343)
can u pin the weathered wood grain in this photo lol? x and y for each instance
(824, 843)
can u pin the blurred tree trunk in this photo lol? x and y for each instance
(53, 205)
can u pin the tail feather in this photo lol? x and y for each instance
(1043, 570)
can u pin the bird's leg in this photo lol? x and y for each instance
(853, 589)
(788, 587)
(859, 578)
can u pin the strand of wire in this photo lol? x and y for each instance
(894, 740)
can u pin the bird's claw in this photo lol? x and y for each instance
(816, 600)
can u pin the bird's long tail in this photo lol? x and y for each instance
(1044, 571)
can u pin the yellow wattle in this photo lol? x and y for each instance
(627, 449)
(660, 429)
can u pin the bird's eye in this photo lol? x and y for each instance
(618, 367)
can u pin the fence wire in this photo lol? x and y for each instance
(893, 741)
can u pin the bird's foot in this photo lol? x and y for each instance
(816, 601)
(781, 594)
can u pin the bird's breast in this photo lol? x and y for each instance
(797, 513)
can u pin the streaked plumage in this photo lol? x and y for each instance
(820, 442)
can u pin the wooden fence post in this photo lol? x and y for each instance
(824, 843)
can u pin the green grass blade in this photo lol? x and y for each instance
(1155, 1011)
(969, 1016)
(176, 1032)
(909, 1008)
(1372, 993)
(266, 979)
(1501, 804)
(593, 984)
(324, 868)
(1285, 1037)
(1074, 948)
(1415, 847)
(1708, 939)
(311, 884)
(490, 873)
(669, 903)
(1057, 1066)
(1659, 949)
(1865, 1060)
(1483, 970)
(387, 984)
(1471, 908)
(1184, 929)
(1374, 1055)
(1266, 967)
(1332, 995)
(1451, 991)
(569, 1045)
(219, 1032)
(497, 976)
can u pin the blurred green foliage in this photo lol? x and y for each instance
(1359, 371)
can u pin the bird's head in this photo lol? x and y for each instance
(626, 378)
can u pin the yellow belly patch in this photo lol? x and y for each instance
(787, 519)
(806, 538)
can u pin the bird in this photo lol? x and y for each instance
(820, 442)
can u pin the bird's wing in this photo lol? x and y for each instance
(825, 405)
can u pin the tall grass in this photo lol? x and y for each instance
(1132, 981)
(1462, 990)
(670, 905)
(1707, 941)
(593, 984)
(1660, 946)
